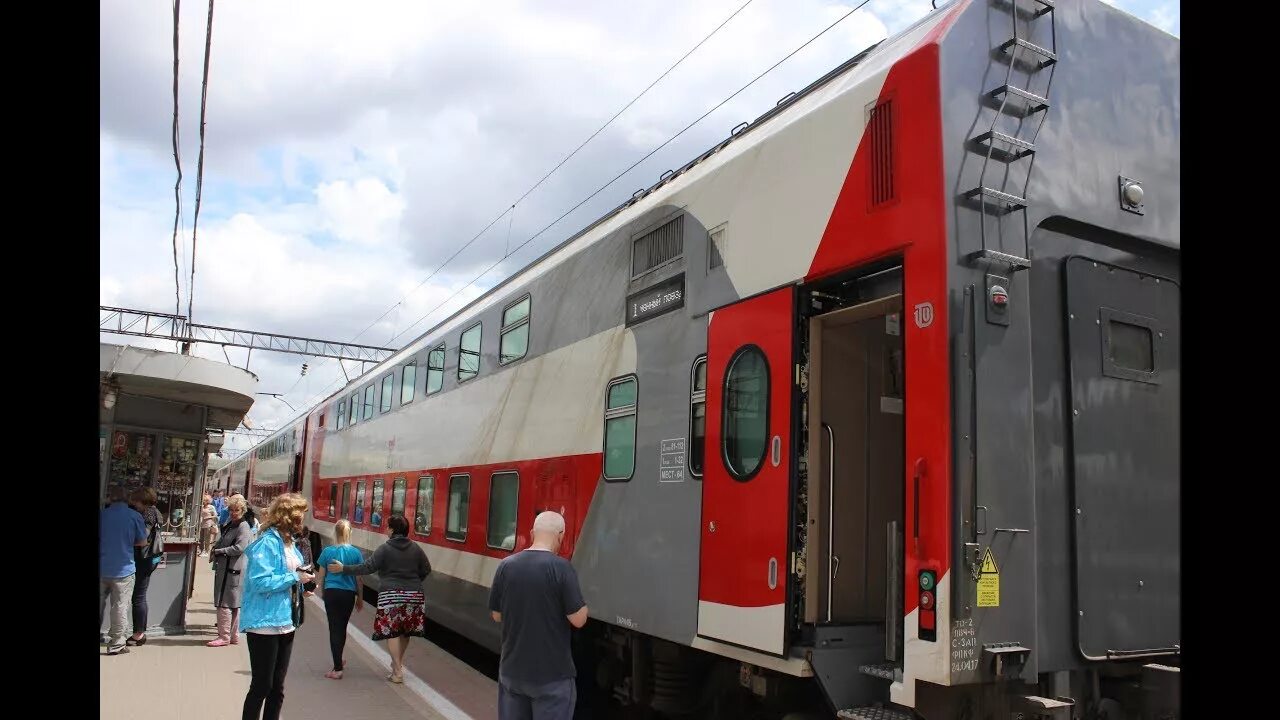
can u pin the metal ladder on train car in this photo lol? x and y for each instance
(998, 149)
(1001, 149)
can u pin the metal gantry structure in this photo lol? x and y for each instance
(168, 326)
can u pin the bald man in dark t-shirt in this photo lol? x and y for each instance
(536, 597)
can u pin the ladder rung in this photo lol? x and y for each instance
(1013, 201)
(1049, 56)
(1037, 103)
(1013, 261)
(1022, 147)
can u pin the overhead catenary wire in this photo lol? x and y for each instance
(633, 166)
(511, 209)
(177, 188)
(195, 222)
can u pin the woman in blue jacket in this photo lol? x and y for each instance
(272, 590)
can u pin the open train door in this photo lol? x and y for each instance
(745, 490)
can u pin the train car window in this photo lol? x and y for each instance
(435, 369)
(354, 404)
(620, 429)
(397, 496)
(455, 527)
(375, 508)
(387, 384)
(426, 501)
(359, 511)
(698, 416)
(368, 403)
(345, 501)
(746, 412)
(333, 499)
(514, 343)
(408, 378)
(504, 496)
(469, 354)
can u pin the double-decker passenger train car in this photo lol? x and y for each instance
(873, 402)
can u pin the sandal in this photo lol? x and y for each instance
(334, 674)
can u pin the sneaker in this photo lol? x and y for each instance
(217, 643)
(118, 650)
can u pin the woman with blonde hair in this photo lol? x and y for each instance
(273, 604)
(341, 593)
(228, 566)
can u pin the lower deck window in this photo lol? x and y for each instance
(459, 503)
(504, 495)
(375, 510)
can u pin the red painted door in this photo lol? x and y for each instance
(746, 485)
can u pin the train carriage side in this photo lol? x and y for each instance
(731, 388)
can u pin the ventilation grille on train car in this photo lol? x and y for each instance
(657, 247)
(880, 125)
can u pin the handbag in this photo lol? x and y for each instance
(154, 548)
(296, 605)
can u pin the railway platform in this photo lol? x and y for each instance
(178, 676)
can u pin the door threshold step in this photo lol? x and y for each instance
(885, 671)
(876, 712)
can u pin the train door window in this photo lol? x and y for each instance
(504, 496)
(514, 343)
(320, 423)
(746, 412)
(375, 508)
(408, 378)
(333, 499)
(469, 354)
(426, 501)
(387, 384)
(359, 512)
(435, 369)
(354, 404)
(345, 501)
(342, 414)
(698, 416)
(368, 403)
(620, 429)
(397, 496)
(455, 527)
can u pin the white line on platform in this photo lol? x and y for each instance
(438, 702)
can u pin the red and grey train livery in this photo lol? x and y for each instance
(870, 403)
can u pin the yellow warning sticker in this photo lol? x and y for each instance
(989, 582)
(989, 564)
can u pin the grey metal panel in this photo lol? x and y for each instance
(654, 525)
(1126, 478)
(1051, 244)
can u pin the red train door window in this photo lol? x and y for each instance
(745, 489)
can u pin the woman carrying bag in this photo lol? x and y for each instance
(274, 575)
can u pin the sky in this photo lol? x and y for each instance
(349, 153)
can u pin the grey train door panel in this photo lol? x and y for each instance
(1124, 330)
